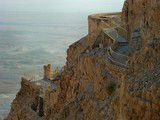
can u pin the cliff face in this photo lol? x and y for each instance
(144, 14)
(26, 98)
(141, 89)
(96, 83)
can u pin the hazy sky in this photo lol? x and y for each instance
(61, 5)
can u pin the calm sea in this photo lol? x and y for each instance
(30, 40)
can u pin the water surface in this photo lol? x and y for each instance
(30, 40)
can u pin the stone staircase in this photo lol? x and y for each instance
(115, 51)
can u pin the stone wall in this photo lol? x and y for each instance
(48, 72)
(85, 91)
(102, 20)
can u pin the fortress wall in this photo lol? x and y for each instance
(93, 24)
(96, 21)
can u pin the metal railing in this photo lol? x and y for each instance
(114, 57)
(114, 62)
(118, 57)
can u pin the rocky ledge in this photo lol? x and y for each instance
(111, 74)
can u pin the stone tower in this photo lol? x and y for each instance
(48, 72)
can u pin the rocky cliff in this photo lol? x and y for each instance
(146, 18)
(106, 76)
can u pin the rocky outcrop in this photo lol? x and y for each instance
(26, 104)
(147, 19)
(93, 88)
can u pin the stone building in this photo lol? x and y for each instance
(48, 72)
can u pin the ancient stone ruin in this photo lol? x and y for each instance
(48, 72)
(108, 73)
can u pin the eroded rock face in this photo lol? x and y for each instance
(90, 89)
(81, 93)
(26, 105)
(144, 14)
